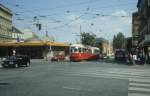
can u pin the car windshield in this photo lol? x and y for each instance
(12, 58)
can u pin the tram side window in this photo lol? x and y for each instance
(84, 50)
(80, 50)
(75, 50)
(96, 51)
(89, 51)
(71, 50)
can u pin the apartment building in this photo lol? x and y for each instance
(5, 23)
(144, 28)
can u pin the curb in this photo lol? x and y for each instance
(0, 64)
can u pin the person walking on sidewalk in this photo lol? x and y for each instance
(142, 59)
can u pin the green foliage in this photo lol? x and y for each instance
(119, 41)
(88, 39)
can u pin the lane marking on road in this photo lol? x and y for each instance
(118, 76)
(141, 81)
(139, 90)
(76, 88)
(137, 94)
(118, 73)
(98, 76)
(72, 88)
(139, 85)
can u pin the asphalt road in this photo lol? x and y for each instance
(95, 78)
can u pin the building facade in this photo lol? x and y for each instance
(144, 28)
(5, 23)
(103, 45)
(135, 29)
(17, 35)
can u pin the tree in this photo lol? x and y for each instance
(114, 42)
(88, 39)
(119, 41)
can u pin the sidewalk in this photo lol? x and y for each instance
(0, 62)
(0, 65)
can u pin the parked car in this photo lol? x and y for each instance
(58, 58)
(16, 61)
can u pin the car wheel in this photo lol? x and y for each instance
(3, 66)
(16, 66)
(28, 64)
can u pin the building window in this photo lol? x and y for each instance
(149, 25)
(148, 3)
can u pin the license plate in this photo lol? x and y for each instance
(11, 63)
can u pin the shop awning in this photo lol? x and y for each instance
(57, 44)
(17, 44)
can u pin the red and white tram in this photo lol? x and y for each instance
(79, 52)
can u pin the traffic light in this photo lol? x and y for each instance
(34, 18)
(40, 26)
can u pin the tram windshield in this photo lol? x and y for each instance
(73, 49)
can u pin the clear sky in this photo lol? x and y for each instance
(63, 18)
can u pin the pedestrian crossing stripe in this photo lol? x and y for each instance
(139, 87)
(111, 75)
(139, 80)
(137, 94)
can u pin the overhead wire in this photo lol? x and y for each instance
(103, 7)
(32, 11)
(64, 6)
(77, 18)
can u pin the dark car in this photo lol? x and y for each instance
(120, 55)
(16, 61)
(58, 58)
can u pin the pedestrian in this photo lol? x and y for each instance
(129, 59)
(134, 58)
(143, 60)
(14, 52)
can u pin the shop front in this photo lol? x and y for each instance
(36, 50)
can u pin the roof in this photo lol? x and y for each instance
(4, 8)
(57, 44)
(16, 44)
(32, 39)
(77, 45)
(16, 30)
(33, 43)
(95, 48)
